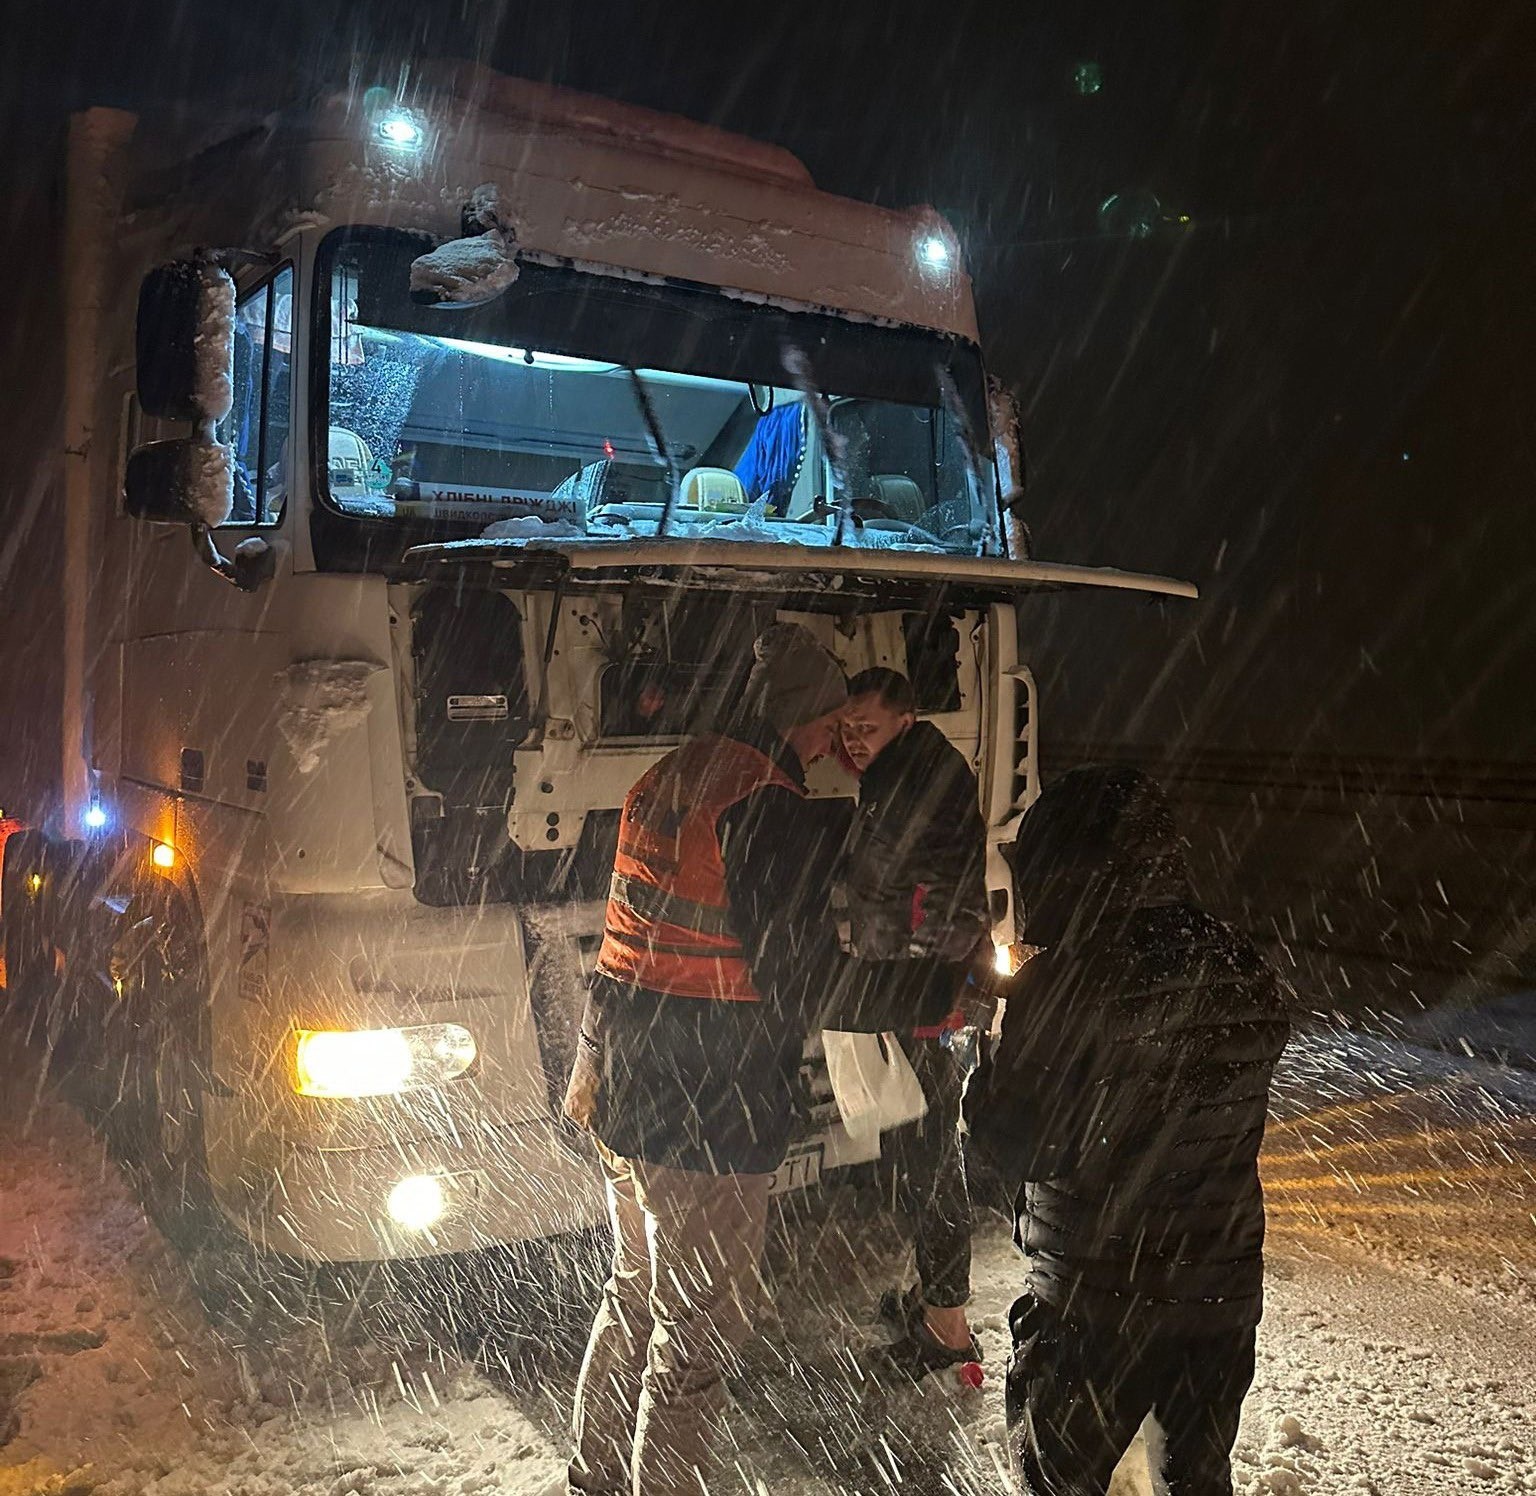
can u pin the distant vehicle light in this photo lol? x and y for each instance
(934, 252)
(163, 855)
(34, 884)
(338, 1063)
(95, 817)
(417, 1202)
(399, 130)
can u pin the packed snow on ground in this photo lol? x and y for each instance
(128, 1369)
(1502, 1028)
(321, 699)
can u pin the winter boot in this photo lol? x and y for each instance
(899, 1308)
(917, 1350)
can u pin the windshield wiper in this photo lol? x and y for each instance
(983, 477)
(658, 446)
(799, 369)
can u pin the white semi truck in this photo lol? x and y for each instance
(501, 420)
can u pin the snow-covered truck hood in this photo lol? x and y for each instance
(754, 565)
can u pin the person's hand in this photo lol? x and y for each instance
(976, 1006)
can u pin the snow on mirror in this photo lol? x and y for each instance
(581, 405)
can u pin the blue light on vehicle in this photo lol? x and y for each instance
(401, 131)
(95, 817)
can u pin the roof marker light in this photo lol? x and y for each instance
(400, 130)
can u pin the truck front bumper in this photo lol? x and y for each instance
(416, 1199)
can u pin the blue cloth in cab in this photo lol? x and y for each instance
(771, 462)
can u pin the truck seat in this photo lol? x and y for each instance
(899, 496)
(718, 490)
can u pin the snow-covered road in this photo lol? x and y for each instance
(1396, 1355)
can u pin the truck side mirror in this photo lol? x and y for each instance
(188, 481)
(185, 353)
(185, 342)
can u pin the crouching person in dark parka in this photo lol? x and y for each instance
(1127, 1094)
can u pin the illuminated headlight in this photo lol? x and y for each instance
(417, 1202)
(379, 1062)
(933, 252)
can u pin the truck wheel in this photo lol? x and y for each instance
(24, 896)
(158, 1121)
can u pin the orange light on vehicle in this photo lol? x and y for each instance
(1008, 960)
(163, 855)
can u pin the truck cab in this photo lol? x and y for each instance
(524, 413)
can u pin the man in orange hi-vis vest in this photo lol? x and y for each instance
(716, 951)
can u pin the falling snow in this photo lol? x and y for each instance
(1224, 379)
(321, 699)
(129, 1369)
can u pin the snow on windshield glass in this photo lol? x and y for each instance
(589, 403)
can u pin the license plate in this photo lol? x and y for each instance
(800, 1170)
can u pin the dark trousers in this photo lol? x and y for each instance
(930, 1178)
(1077, 1394)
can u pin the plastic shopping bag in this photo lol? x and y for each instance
(874, 1085)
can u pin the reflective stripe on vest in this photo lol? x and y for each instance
(668, 926)
(660, 907)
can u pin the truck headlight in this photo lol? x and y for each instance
(379, 1062)
(417, 1202)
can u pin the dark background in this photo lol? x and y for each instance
(1292, 362)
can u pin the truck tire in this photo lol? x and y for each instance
(24, 896)
(157, 1121)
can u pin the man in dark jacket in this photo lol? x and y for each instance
(915, 885)
(1128, 1092)
(716, 951)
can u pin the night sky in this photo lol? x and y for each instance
(1294, 360)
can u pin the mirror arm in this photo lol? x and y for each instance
(246, 573)
(209, 554)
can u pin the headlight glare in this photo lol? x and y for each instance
(379, 1062)
(1008, 960)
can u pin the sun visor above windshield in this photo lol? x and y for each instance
(750, 564)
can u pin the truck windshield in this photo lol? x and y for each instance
(538, 415)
